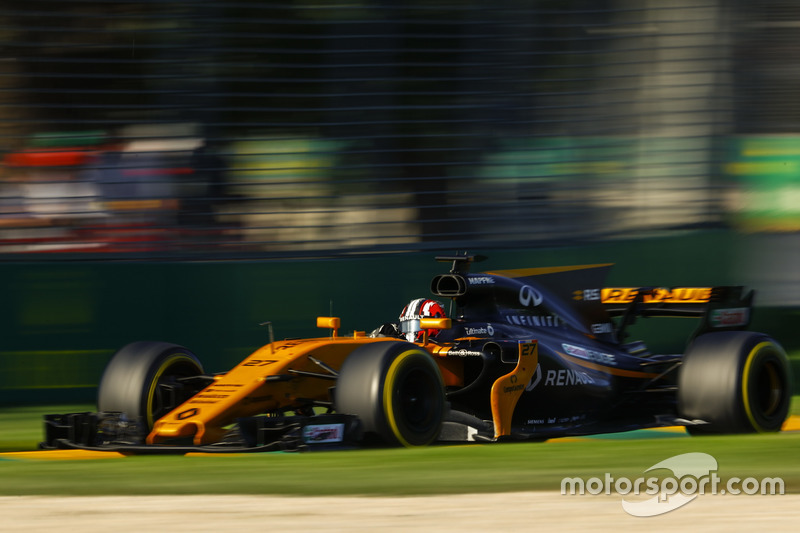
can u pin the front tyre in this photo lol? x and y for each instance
(737, 381)
(143, 380)
(395, 389)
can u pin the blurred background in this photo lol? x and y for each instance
(185, 170)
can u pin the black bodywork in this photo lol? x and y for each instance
(590, 378)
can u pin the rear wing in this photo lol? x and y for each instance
(721, 308)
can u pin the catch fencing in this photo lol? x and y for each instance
(246, 129)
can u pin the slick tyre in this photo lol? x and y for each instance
(142, 380)
(396, 391)
(737, 381)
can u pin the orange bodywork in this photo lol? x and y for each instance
(507, 389)
(288, 374)
(264, 381)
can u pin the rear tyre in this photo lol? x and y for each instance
(142, 380)
(737, 381)
(396, 391)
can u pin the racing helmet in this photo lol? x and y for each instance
(413, 312)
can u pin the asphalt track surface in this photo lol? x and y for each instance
(519, 511)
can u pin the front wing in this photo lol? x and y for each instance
(114, 432)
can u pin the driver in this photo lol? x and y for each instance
(408, 327)
(413, 312)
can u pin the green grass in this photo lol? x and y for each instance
(435, 470)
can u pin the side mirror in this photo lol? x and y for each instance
(329, 322)
(435, 323)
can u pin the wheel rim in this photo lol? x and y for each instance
(769, 389)
(166, 392)
(164, 396)
(413, 399)
(415, 395)
(765, 387)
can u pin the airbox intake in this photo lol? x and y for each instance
(449, 285)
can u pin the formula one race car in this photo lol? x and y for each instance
(524, 354)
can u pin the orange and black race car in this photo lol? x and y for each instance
(517, 354)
